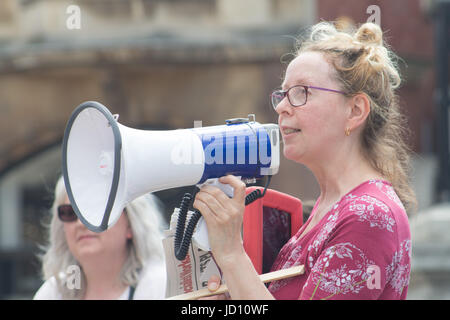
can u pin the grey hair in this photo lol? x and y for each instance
(146, 222)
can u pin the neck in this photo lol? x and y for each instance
(340, 173)
(103, 277)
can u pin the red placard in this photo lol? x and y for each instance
(263, 221)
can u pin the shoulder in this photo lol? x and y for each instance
(377, 192)
(152, 281)
(373, 219)
(375, 206)
(48, 291)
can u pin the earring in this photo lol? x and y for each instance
(347, 132)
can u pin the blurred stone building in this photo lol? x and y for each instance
(158, 64)
(162, 64)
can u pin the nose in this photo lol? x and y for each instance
(284, 107)
(79, 224)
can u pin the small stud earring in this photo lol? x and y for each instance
(347, 132)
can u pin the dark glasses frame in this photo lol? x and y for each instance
(66, 213)
(280, 95)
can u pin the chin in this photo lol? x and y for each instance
(88, 251)
(293, 154)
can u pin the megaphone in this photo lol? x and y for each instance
(106, 164)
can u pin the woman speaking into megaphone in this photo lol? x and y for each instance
(338, 115)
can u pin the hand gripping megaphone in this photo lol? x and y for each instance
(106, 164)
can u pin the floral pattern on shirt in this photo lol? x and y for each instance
(374, 212)
(322, 236)
(291, 262)
(347, 277)
(388, 190)
(398, 271)
(360, 249)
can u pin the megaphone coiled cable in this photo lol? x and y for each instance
(183, 236)
(183, 233)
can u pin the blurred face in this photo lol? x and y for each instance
(315, 130)
(84, 243)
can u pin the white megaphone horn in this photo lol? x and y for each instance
(106, 165)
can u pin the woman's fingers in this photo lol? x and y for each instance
(213, 283)
(237, 184)
(214, 195)
(211, 210)
(223, 217)
(209, 215)
(218, 202)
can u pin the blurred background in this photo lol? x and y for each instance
(162, 64)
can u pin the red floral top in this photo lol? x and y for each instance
(360, 249)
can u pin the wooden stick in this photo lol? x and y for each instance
(266, 277)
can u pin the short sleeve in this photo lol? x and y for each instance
(351, 263)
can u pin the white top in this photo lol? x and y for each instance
(151, 286)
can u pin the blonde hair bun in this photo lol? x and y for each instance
(369, 33)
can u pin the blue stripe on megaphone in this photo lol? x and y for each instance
(239, 149)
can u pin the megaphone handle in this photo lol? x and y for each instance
(183, 237)
(226, 188)
(200, 236)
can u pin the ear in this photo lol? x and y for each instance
(129, 233)
(359, 111)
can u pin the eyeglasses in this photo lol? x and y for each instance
(297, 95)
(66, 213)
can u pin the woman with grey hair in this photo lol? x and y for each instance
(124, 262)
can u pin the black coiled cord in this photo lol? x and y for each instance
(183, 237)
(183, 233)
